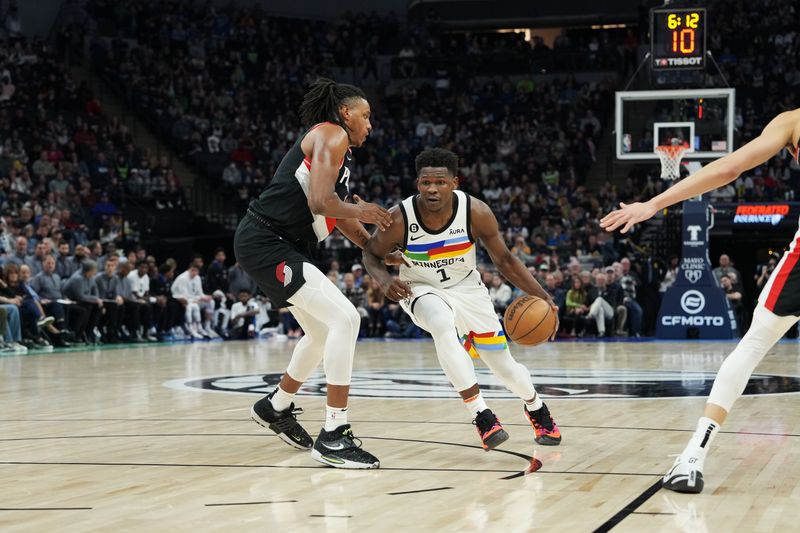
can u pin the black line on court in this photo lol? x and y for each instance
(248, 503)
(330, 516)
(417, 491)
(437, 422)
(614, 521)
(45, 508)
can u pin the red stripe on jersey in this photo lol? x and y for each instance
(331, 222)
(307, 163)
(450, 248)
(782, 276)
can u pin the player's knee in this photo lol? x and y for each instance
(347, 321)
(439, 323)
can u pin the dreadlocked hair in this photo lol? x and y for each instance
(321, 102)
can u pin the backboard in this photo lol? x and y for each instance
(701, 118)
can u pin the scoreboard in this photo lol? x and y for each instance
(678, 38)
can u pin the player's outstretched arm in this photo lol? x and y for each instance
(380, 245)
(776, 135)
(485, 229)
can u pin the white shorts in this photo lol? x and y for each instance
(475, 318)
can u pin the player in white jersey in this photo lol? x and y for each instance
(778, 306)
(435, 232)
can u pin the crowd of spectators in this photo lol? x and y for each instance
(223, 84)
(96, 295)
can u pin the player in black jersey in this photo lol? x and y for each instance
(302, 204)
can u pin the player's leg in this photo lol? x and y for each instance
(686, 474)
(277, 411)
(435, 316)
(319, 300)
(475, 314)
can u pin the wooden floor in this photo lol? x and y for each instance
(126, 440)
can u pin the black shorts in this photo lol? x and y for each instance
(274, 262)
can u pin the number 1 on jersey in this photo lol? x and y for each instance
(444, 275)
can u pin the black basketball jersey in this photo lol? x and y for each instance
(284, 203)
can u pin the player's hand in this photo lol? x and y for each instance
(627, 216)
(398, 290)
(372, 213)
(554, 307)
(395, 258)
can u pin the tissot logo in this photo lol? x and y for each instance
(431, 383)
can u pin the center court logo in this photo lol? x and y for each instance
(567, 383)
(692, 302)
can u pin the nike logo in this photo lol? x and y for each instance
(339, 446)
(418, 237)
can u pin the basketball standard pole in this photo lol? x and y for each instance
(636, 72)
(719, 70)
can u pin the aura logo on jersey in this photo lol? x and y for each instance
(571, 383)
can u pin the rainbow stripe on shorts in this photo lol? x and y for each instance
(493, 341)
(439, 250)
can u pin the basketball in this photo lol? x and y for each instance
(529, 321)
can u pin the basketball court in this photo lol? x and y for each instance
(102, 440)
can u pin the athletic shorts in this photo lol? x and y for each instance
(274, 262)
(475, 318)
(781, 294)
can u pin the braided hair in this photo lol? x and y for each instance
(321, 102)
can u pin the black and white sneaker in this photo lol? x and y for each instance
(686, 475)
(283, 423)
(340, 449)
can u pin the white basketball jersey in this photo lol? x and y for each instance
(441, 258)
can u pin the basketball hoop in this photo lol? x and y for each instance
(670, 156)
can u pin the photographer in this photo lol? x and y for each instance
(765, 272)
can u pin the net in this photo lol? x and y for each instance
(670, 157)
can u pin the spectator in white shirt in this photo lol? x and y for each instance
(140, 281)
(188, 289)
(243, 316)
(500, 293)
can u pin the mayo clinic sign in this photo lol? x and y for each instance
(695, 307)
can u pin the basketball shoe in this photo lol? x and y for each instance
(490, 430)
(341, 449)
(686, 474)
(544, 428)
(283, 423)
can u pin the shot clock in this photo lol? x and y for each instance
(678, 38)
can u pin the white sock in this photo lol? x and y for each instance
(335, 417)
(701, 441)
(476, 404)
(535, 404)
(282, 399)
